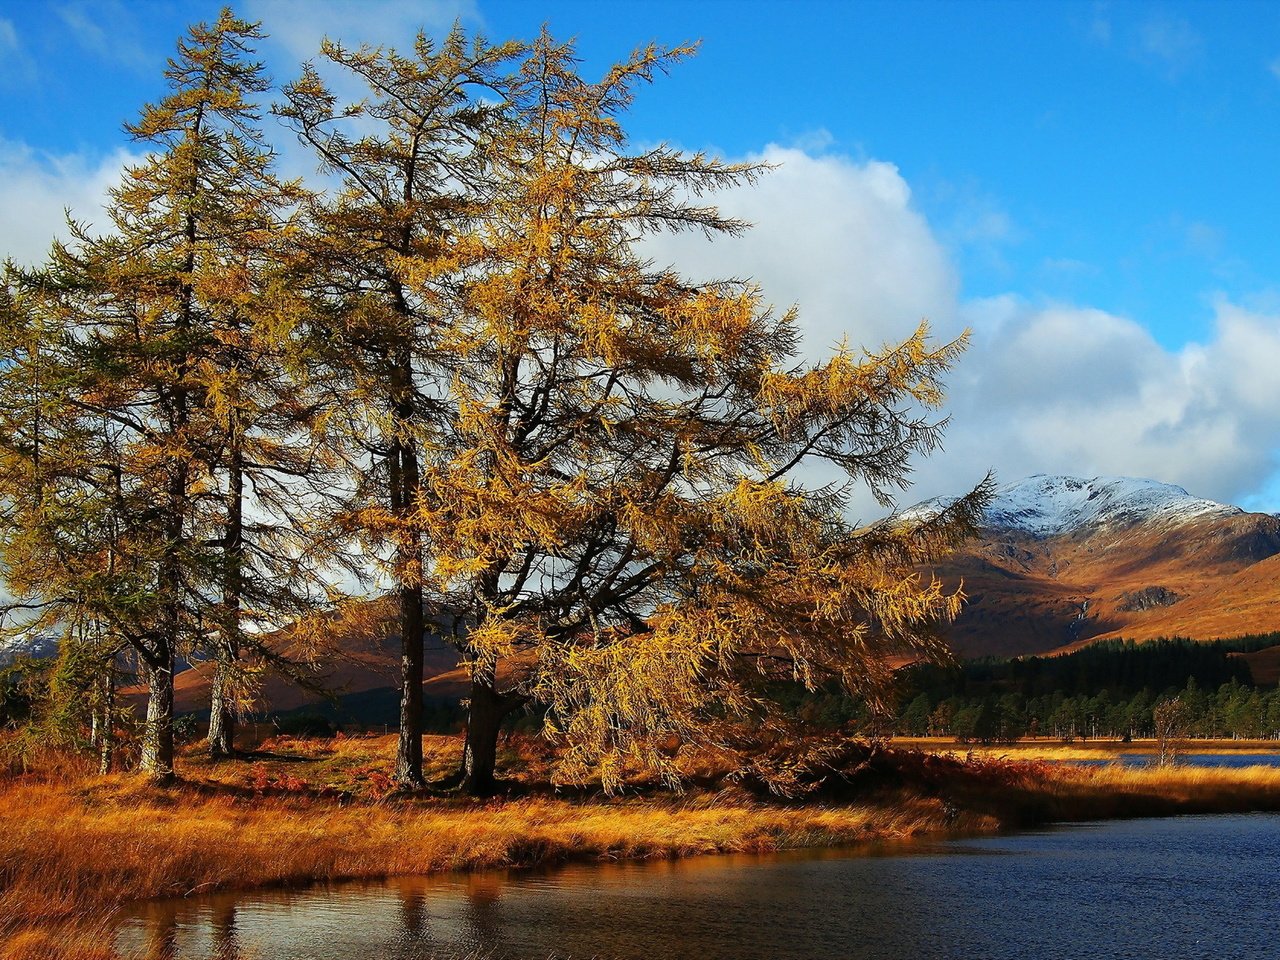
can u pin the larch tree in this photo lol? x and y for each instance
(168, 374)
(54, 497)
(617, 508)
(385, 256)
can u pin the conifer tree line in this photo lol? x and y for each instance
(1110, 689)
(444, 371)
(1231, 710)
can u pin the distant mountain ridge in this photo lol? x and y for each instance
(1059, 562)
(1047, 506)
(1062, 560)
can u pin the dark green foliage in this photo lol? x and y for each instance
(1108, 689)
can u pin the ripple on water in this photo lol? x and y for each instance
(1175, 889)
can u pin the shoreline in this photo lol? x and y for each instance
(73, 851)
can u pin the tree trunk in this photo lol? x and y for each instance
(157, 735)
(409, 747)
(405, 479)
(222, 718)
(104, 717)
(484, 722)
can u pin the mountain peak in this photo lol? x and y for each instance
(1047, 506)
(1053, 505)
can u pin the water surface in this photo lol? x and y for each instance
(1230, 760)
(1190, 887)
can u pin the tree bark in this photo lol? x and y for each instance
(104, 720)
(405, 480)
(222, 721)
(157, 735)
(409, 747)
(484, 722)
(222, 718)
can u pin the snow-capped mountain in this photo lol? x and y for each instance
(1050, 506)
(1062, 560)
(26, 646)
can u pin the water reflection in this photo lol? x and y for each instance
(1194, 887)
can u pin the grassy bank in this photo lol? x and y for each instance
(72, 847)
(1049, 748)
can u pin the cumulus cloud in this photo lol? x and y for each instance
(1044, 387)
(36, 189)
(1067, 389)
(842, 240)
(837, 237)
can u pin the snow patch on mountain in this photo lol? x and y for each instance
(1049, 506)
(24, 645)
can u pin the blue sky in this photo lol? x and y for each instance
(1089, 186)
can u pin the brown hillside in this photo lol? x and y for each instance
(1207, 578)
(351, 653)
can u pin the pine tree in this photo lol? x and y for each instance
(61, 531)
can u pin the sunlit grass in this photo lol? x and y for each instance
(73, 846)
(1098, 749)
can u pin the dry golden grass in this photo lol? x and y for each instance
(1051, 749)
(1088, 793)
(73, 846)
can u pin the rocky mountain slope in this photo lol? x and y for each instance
(1063, 560)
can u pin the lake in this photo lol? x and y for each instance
(1189, 887)
(1232, 760)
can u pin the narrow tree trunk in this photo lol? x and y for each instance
(95, 720)
(409, 747)
(484, 722)
(406, 479)
(106, 710)
(404, 487)
(157, 734)
(222, 718)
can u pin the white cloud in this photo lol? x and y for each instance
(837, 237)
(299, 25)
(1043, 388)
(37, 189)
(1066, 389)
